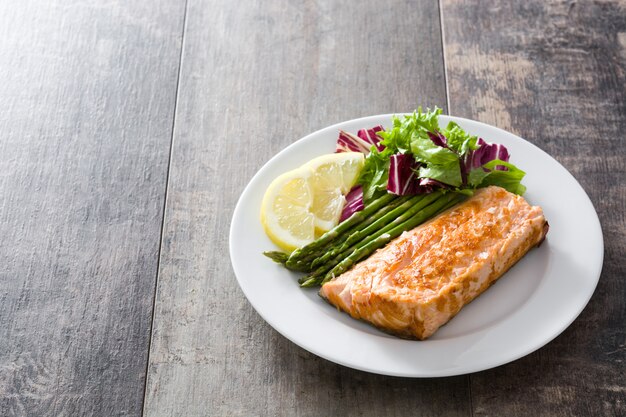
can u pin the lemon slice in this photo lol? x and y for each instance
(303, 203)
(336, 171)
(332, 176)
(285, 211)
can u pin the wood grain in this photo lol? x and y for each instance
(87, 92)
(255, 79)
(555, 73)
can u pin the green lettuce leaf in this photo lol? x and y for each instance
(459, 140)
(375, 173)
(510, 180)
(441, 164)
(405, 130)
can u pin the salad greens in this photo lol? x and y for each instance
(417, 156)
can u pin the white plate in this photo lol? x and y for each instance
(528, 307)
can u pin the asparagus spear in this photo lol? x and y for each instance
(313, 259)
(400, 222)
(300, 259)
(277, 256)
(356, 218)
(381, 240)
(413, 205)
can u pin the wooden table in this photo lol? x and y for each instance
(128, 129)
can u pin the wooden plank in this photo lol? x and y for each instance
(87, 92)
(254, 79)
(555, 73)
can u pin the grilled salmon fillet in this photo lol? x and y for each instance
(420, 280)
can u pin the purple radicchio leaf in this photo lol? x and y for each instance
(485, 153)
(354, 203)
(438, 139)
(428, 185)
(402, 176)
(348, 142)
(370, 136)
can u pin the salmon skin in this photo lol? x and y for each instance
(423, 278)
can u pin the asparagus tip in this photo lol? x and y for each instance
(276, 256)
